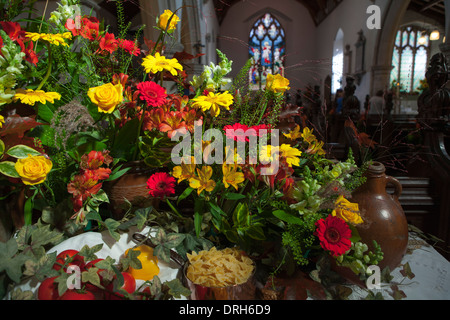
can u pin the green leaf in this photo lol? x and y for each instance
(131, 260)
(198, 218)
(286, 217)
(21, 151)
(10, 262)
(89, 252)
(8, 169)
(91, 276)
(112, 226)
(256, 232)
(234, 196)
(18, 294)
(407, 272)
(160, 237)
(162, 252)
(41, 268)
(173, 240)
(240, 215)
(117, 174)
(176, 289)
(43, 235)
(185, 194)
(2, 148)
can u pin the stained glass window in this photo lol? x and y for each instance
(267, 47)
(410, 59)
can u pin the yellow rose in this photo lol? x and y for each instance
(164, 18)
(347, 211)
(33, 169)
(277, 83)
(106, 96)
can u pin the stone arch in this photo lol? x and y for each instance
(382, 61)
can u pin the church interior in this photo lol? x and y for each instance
(378, 52)
(369, 77)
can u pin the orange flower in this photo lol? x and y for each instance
(172, 124)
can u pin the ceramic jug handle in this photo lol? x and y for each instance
(397, 186)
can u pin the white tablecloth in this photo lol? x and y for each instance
(431, 270)
(431, 279)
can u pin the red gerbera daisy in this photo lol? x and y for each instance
(130, 47)
(153, 93)
(334, 235)
(161, 185)
(239, 132)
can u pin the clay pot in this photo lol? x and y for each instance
(131, 186)
(384, 218)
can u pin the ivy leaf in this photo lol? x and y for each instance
(162, 252)
(89, 252)
(173, 240)
(18, 294)
(112, 226)
(10, 261)
(41, 268)
(176, 288)
(62, 283)
(159, 237)
(155, 287)
(406, 271)
(43, 235)
(106, 264)
(91, 276)
(397, 294)
(131, 260)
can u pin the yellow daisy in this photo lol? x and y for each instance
(291, 155)
(159, 63)
(55, 39)
(30, 96)
(214, 102)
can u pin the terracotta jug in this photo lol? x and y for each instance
(385, 220)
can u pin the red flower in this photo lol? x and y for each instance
(82, 187)
(334, 235)
(161, 185)
(130, 47)
(154, 94)
(108, 43)
(238, 132)
(95, 159)
(261, 127)
(88, 27)
(13, 30)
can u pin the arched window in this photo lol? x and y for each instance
(267, 47)
(409, 59)
(338, 62)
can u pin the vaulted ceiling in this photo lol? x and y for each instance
(318, 9)
(434, 9)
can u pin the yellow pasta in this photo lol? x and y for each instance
(219, 268)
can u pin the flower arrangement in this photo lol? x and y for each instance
(96, 101)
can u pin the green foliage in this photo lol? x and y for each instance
(299, 238)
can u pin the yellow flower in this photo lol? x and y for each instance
(203, 182)
(316, 147)
(164, 19)
(33, 169)
(347, 211)
(106, 96)
(294, 134)
(232, 155)
(307, 135)
(159, 63)
(231, 176)
(291, 155)
(184, 171)
(55, 39)
(2, 121)
(277, 83)
(30, 96)
(214, 102)
(267, 153)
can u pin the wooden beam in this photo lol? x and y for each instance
(432, 4)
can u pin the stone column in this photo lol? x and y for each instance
(149, 12)
(445, 47)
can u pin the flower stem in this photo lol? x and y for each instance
(49, 68)
(173, 208)
(141, 121)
